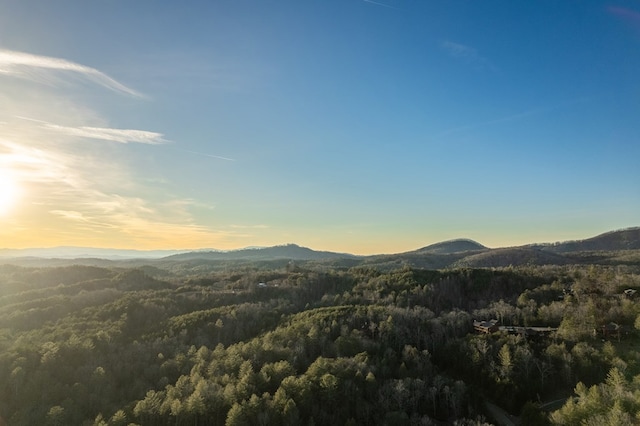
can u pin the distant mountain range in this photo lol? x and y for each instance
(615, 247)
(289, 251)
(87, 252)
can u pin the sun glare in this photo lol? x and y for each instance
(8, 191)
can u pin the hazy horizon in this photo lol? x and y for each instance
(70, 251)
(350, 126)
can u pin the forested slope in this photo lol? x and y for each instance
(298, 345)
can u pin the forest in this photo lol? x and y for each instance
(310, 343)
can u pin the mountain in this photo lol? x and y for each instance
(611, 248)
(625, 239)
(434, 256)
(516, 256)
(452, 246)
(288, 251)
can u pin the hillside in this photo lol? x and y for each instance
(516, 256)
(625, 239)
(82, 345)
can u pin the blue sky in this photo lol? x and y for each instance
(346, 125)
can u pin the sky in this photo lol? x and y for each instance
(355, 126)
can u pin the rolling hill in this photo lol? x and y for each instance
(452, 246)
(625, 239)
(515, 256)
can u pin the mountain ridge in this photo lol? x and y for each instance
(614, 247)
(621, 239)
(285, 251)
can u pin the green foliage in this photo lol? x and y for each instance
(85, 345)
(614, 402)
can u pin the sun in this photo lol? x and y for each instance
(8, 191)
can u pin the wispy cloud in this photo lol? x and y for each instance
(34, 164)
(467, 54)
(104, 133)
(78, 198)
(207, 155)
(381, 4)
(69, 214)
(68, 196)
(512, 117)
(133, 222)
(630, 16)
(78, 193)
(249, 226)
(24, 65)
(114, 135)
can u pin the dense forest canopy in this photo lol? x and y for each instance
(312, 343)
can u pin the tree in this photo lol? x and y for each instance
(506, 364)
(236, 416)
(119, 418)
(56, 416)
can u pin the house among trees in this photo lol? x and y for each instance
(486, 326)
(611, 330)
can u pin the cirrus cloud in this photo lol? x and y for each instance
(467, 54)
(27, 65)
(114, 135)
